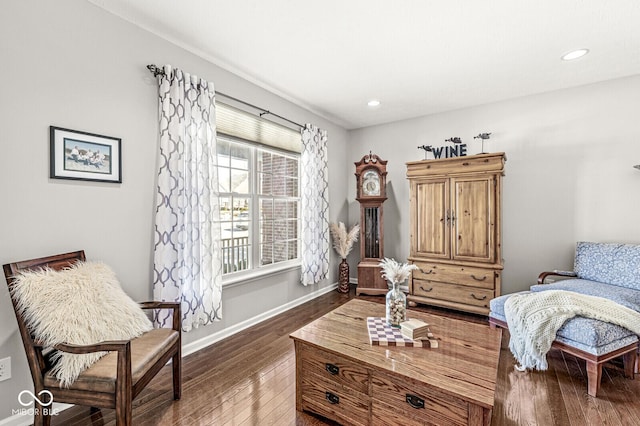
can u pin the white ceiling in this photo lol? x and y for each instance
(416, 56)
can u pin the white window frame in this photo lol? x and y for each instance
(255, 270)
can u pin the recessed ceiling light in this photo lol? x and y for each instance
(574, 54)
(373, 103)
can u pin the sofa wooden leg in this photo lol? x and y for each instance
(594, 374)
(630, 360)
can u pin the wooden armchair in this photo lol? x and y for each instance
(118, 377)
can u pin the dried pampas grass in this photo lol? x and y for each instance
(343, 240)
(395, 272)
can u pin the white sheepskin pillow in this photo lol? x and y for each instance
(82, 305)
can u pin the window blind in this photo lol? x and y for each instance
(235, 122)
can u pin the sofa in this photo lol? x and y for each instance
(605, 270)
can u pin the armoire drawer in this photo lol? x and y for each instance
(453, 292)
(465, 275)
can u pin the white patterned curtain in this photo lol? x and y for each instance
(314, 205)
(187, 263)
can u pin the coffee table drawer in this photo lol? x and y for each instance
(419, 403)
(335, 368)
(466, 275)
(334, 401)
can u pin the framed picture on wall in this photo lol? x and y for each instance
(84, 156)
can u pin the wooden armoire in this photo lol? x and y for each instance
(455, 224)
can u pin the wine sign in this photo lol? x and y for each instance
(458, 149)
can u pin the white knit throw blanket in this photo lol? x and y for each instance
(534, 318)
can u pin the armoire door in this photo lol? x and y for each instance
(429, 218)
(473, 219)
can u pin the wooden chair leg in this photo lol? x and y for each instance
(176, 364)
(39, 417)
(594, 375)
(96, 416)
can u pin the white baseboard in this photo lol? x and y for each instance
(26, 419)
(229, 331)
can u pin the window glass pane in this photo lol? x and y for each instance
(235, 227)
(266, 254)
(278, 186)
(224, 179)
(293, 249)
(292, 167)
(291, 189)
(292, 229)
(240, 181)
(240, 155)
(264, 183)
(223, 149)
(292, 209)
(266, 232)
(264, 161)
(280, 253)
(279, 165)
(266, 209)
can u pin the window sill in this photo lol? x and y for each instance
(245, 277)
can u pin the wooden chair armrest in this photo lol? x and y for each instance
(107, 346)
(154, 304)
(544, 275)
(175, 306)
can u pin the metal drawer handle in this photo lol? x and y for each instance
(332, 369)
(424, 289)
(478, 298)
(332, 398)
(478, 279)
(415, 401)
(426, 273)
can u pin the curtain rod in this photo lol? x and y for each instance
(156, 71)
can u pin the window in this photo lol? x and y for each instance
(259, 204)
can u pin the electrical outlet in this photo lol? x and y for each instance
(5, 369)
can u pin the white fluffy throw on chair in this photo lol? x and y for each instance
(534, 319)
(82, 305)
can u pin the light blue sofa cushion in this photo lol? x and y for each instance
(590, 335)
(617, 264)
(622, 295)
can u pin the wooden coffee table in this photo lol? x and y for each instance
(339, 375)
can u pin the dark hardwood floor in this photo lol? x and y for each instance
(249, 379)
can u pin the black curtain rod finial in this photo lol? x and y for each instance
(155, 70)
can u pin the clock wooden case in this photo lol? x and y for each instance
(371, 190)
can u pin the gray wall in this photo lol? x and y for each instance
(569, 174)
(70, 64)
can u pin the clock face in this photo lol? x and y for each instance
(371, 183)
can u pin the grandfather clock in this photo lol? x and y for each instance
(371, 183)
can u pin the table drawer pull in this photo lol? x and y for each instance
(332, 369)
(478, 279)
(426, 290)
(332, 398)
(415, 401)
(478, 298)
(426, 272)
